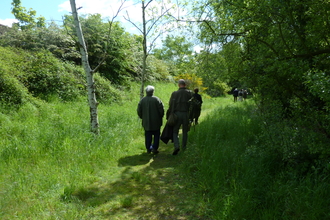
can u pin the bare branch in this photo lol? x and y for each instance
(130, 21)
(147, 4)
(104, 56)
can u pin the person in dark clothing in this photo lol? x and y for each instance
(151, 110)
(179, 102)
(235, 94)
(245, 93)
(197, 111)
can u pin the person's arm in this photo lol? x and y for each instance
(139, 110)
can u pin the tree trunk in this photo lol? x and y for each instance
(144, 62)
(89, 72)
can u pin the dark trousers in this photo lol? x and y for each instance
(184, 121)
(148, 139)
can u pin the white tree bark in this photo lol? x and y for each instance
(145, 53)
(89, 72)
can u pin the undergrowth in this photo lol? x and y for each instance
(241, 170)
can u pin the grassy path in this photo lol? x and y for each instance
(52, 167)
(150, 186)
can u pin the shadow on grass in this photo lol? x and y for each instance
(134, 160)
(153, 191)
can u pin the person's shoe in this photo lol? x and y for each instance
(149, 150)
(176, 151)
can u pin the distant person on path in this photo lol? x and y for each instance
(245, 93)
(235, 94)
(240, 95)
(179, 102)
(197, 106)
(151, 110)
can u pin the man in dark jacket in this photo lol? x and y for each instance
(179, 104)
(151, 111)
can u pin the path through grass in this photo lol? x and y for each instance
(52, 167)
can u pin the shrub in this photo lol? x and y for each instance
(192, 81)
(105, 92)
(12, 92)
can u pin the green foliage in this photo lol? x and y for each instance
(280, 50)
(157, 70)
(216, 71)
(219, 88)
(192, 81)
(44, 75)
(12, 92)
(52, 38)
(245, 168)
(177, 53)
(25, 74)
(27, 19)
(109, 40)
(105, 92)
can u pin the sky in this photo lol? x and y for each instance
(53, 10)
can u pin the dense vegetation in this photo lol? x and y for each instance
(277, 50)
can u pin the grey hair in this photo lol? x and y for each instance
(150, 89)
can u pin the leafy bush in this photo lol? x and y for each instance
(12, 92)
(105, 92)
(192, 81)
(44, 75)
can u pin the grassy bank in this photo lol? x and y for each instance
(52, 167)
(239, 177)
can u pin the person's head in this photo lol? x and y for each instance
(196, 90)
(150, 90)
(182, 83)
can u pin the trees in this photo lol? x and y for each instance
(280, 42)
(149, 27)
(108, 41)
(282, 50)
(177, 52)
(27, 19)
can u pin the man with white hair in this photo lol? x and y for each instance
(151, 110)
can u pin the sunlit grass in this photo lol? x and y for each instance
(52, 166)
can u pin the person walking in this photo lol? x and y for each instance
(240, 95)
(235, 94)
(151, 110)
(179, 104)
(198, 105)
(245, 93)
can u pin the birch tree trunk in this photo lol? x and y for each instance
(144, 61)
(89, 72)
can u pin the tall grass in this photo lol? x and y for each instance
(52, 167)
(47, 153)
(240, 178)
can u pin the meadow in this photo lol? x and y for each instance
(52, 167)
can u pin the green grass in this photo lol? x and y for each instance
(238, 177)
(52, 167)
